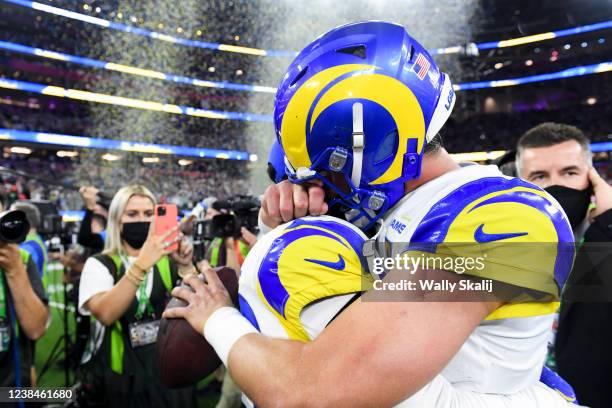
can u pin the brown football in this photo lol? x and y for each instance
(184, 357)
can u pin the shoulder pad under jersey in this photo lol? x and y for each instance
(307, 260)
(523, 230)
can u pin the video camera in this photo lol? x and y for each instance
(236, 212)
(57, 235)
(14, 227)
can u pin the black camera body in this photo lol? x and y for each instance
(57, 235)
(236, 212)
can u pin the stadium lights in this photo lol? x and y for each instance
(290, 54)
(242, 50)
(130, 102)
(477, 156)
(245, 116)
(150, 159)
(39, 52)
(135, 71)
(110, 157)
(545, 36)
(591, 100)
(20, 150)
(23, 136)
(67, 153)
(529, 62)
(570, 72)
(498, 65)
(185, 162)
(526, 40)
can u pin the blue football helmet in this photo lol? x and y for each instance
(361, 100)
(276, 163)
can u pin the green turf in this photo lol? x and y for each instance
(54, 376)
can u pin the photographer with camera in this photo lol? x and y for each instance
(23, 304)
(126, 289)
(92, 233)
(232, 227)
(33, 244)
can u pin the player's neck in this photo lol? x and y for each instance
(434, 165)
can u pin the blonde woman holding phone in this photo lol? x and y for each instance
(126, 289)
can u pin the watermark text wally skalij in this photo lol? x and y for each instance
(418, 283)
(430, 285)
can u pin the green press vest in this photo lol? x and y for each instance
(215, 248)
(117, 336)
(8, 370)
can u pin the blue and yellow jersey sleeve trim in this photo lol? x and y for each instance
(311, 260)
(518, 310)
(527, 239)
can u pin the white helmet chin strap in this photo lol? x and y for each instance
(358, 143)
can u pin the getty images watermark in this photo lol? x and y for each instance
(412, 264)
(495, 271)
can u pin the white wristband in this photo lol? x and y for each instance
(263, 228)
(223, 329)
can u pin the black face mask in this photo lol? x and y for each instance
(575, 203)
(135, 233)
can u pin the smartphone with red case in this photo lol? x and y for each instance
(166, 218)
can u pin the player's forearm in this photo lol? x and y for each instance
(30, 310)
(302, 375)
(254, 354)
(108, 307)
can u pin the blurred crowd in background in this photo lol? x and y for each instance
(488, 119)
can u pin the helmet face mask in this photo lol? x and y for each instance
(361, 101)
(360, 206)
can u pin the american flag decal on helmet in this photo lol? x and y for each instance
(421, 66)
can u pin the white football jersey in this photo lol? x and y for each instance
(299, 276)
(477, 205)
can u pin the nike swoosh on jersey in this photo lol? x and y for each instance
(339, 266)
(482, 237)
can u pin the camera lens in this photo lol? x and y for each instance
(161, 211)
(14, 227)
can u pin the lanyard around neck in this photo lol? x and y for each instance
(143, 297)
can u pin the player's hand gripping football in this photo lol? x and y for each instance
(205, 298)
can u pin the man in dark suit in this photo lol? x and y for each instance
(558, 158)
